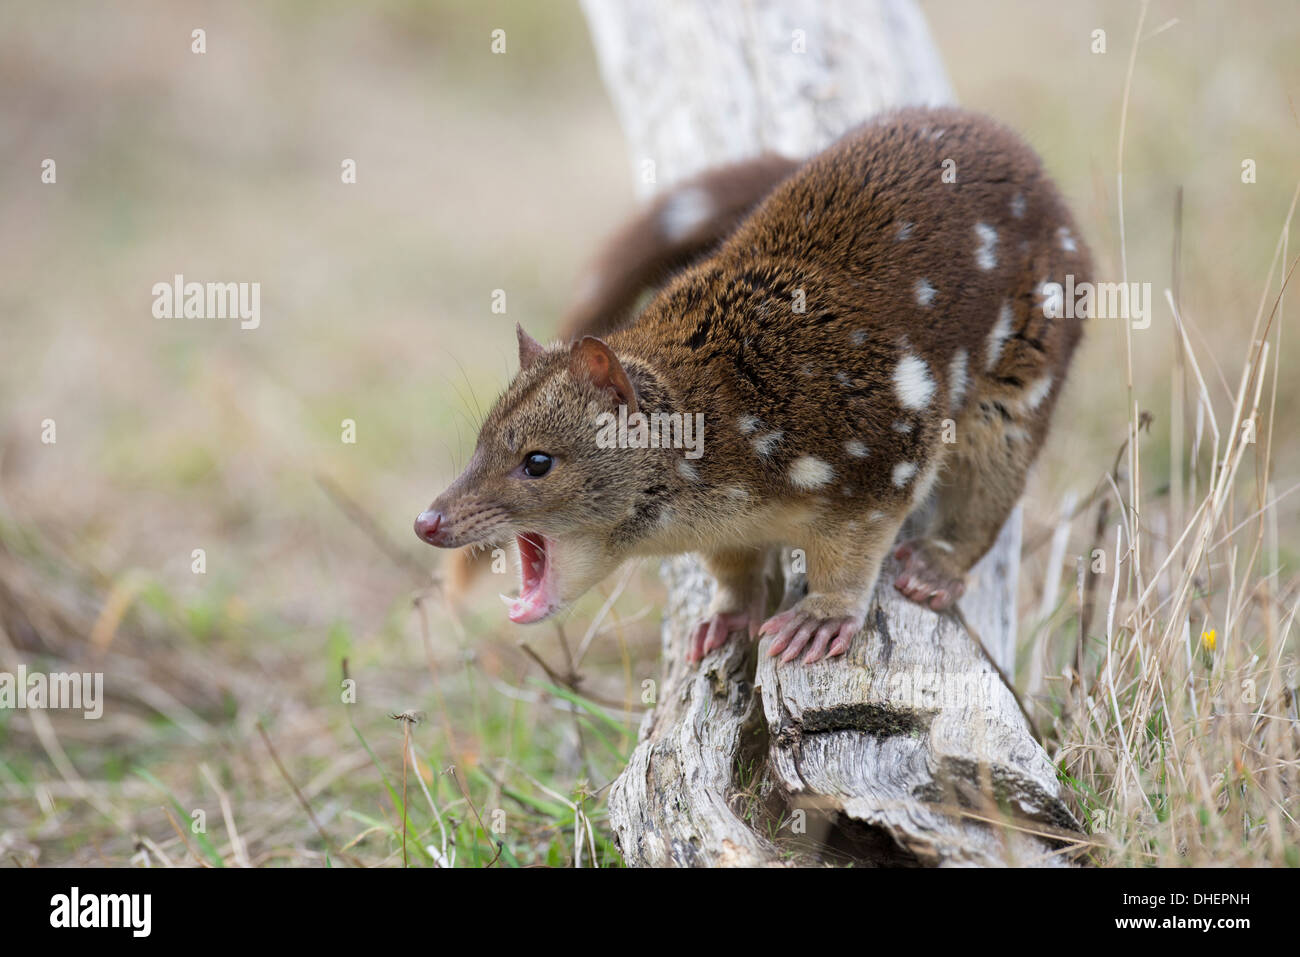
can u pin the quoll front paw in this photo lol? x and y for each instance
(713, 631)
(824, 624)
(927, 576)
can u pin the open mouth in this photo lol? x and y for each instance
(537, 597)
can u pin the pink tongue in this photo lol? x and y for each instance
(527, 609)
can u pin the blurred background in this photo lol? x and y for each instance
(475, 172)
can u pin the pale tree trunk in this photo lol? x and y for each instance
(910, 749)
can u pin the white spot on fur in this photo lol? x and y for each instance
(941, 544)
(687, 471)
(808, 471)
(737, 492)
(904, 231)
(1066, 240)
(747, 424)
(855, 449)
(858, 337)
(924, 292)
(1035, 393)
(1016, 433)
(843, 379)
(912, 382)
(998, 336)
(764, 444)
(958, 378)
(902, 427)
(921, 490)
(903, 473)
(684, 212)
(1018, 206)
(876, 516)
(988, 237)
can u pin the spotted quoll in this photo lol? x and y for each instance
(869, 338)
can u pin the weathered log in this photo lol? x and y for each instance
(910, 749)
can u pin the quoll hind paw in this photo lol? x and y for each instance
(712, 632)
(804, 626)
(924, 577)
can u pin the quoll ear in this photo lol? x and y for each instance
(530, 350)
(594, 361)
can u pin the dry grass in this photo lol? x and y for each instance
(1179, 729)
(1176, 722)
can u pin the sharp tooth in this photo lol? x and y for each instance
(509, 602)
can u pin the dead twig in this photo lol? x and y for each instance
(302, 800)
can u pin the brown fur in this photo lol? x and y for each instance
(673, 231)
(823, 426)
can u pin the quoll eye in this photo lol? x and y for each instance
(536, 464)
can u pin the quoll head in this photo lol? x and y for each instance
(539, 475)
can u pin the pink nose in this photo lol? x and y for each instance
(427, 524)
